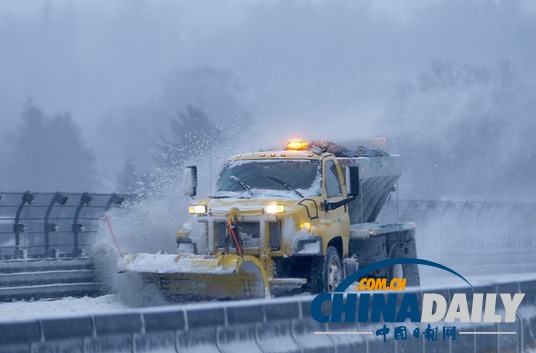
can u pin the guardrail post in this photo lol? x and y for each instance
(85, 200)
(52, 227)
(27, 198)
(114, 199)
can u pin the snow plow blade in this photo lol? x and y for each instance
(189, 277)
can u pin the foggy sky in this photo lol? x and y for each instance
(409, 70)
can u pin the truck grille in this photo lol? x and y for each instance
(250, 235)
(274, 229)
(249, 231)
(220, 233)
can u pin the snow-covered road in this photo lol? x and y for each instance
(28, 310)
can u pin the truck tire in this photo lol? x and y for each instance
(409, 272)
(396, 271)
(404, 247)
(326, 272)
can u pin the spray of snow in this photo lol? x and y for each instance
(150, 223)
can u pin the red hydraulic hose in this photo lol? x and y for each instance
(112, 234)
(238, 247)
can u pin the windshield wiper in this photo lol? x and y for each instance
(286, 185)
(242, 184)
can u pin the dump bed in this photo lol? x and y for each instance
(377, 176)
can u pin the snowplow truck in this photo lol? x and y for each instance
(301, 218)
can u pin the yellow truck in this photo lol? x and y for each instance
(300, 218)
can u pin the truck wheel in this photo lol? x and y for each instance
(411, 271)
(397, 271)
(326, 272)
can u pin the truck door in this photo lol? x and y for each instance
(334, 192)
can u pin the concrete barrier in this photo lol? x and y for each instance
(278, 325)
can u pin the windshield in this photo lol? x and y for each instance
(271, 177)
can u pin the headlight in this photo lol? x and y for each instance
(274, 209)
(306, 226)
(197, 209)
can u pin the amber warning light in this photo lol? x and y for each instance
(297, 145)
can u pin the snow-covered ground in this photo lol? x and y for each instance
(443, 279)
(28, 310)
(23, 310)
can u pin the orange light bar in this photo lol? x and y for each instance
(297, 145)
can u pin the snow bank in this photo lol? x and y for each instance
(23, 310)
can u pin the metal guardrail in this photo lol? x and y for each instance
(33, 279)
(463, 226)
(518, 216)
(49, 225)
(280, 325)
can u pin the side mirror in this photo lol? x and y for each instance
(352, 180)
(189, 181)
